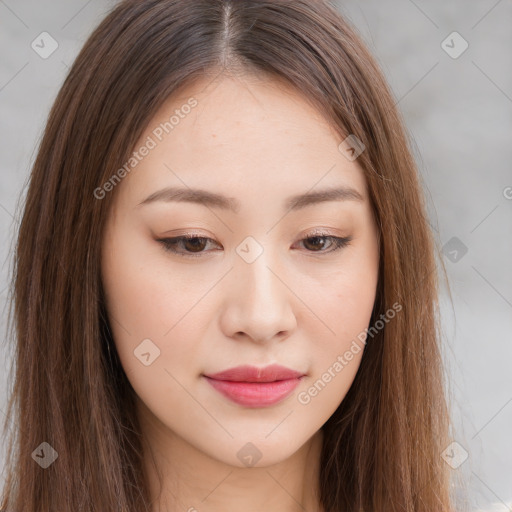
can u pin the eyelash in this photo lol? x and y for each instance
(170, 243)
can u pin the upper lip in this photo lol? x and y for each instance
(253, 374)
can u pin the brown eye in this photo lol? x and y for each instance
(186, 245)
(194, 244)
(316, 243)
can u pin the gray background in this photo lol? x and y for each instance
(459, 113)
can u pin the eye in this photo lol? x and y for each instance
(317, 239)
(192, 245)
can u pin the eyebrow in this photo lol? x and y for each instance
(216, 200)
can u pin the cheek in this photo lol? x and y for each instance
(151, 312)
(345, 296)
(336, 355)
(144, 297)
(344, 301)
(144, 302)
(153, 335)
(136, 297)
(346, 316)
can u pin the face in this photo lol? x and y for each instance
(266, 278)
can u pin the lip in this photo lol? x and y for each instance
(256, 387)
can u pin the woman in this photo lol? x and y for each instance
(225, 290)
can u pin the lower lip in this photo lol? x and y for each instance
(255, 394)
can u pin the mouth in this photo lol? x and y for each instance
(255, 387)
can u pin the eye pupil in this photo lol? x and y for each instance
(196, 243)
(318, 239)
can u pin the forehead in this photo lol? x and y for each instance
(235, 111)
(242, 131)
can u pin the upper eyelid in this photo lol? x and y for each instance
(322, 232)
(312, 234)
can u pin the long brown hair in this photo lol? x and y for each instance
(382, 446)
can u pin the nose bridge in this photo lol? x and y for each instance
(259, 303)
(260, 288)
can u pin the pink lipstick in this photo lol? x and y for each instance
(255, 387)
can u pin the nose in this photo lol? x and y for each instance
(258, 302)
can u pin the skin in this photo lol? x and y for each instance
(299, 304)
